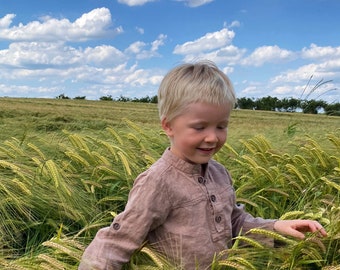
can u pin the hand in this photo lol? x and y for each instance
(298, 227)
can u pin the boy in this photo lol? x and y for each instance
(184, 205)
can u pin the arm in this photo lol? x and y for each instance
(114, 245)
(241, 220)
(298, 227)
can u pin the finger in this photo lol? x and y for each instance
(296, 233)
(321, 229)
(317, 227)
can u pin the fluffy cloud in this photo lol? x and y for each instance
(57, 55)
(6, 21)
(208, 42)
(267, 54)
(132, 3)
(103, 55)
(315, 52)
(23, 90)
(195, 3)
(41, 58)
(95, 24)
(189, 3)
(141, 51)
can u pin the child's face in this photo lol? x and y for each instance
(198, 133)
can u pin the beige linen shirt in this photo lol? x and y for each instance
(184, 215)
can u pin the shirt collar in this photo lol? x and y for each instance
(181, 164)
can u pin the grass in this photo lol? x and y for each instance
(39, 118)
(66, 167)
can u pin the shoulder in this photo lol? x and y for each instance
(155, 174)
(219, 171)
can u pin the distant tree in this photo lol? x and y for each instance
(245, 103)
(289, 104)
(123, 99)
(266, 103)
(62, 96)
(333, 109)
(80, 97)
(146, 99)
(143, 99)
(106, 98)
(154, 99)
(313, 106)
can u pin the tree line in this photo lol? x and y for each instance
(268, 103)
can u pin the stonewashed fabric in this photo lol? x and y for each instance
(186, 216)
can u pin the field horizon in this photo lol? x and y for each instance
(22, 117)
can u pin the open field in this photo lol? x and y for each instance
(48, 117)
(43, 116)
(66, 167)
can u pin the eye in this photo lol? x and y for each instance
(222, 126)
(198, 128)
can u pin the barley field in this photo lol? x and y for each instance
(66, 167)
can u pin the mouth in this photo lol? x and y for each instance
(206, 150)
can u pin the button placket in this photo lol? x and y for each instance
(212, 199)
(217, 217)
(201, 180)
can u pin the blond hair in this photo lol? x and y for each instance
(192, 83)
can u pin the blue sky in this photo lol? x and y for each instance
(96, 48)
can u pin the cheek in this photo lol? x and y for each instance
(188, 141)
(223, 136)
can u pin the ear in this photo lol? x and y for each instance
(166, 126)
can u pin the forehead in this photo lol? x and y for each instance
(208, 112)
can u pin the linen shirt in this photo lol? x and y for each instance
(187, 215)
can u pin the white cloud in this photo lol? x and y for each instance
(283, 90)
(135, 47)
(23, 90)
(6, 21)
(140, 30)
(46, 65)
(298, 75)
(140, 50)
(195, 3)
(316, 52)
(32, 54)
(294, 82)
(103, 55)
(97, 23)
(208, 42)
(228, 70)
(132, 3)
(228, 55)
(233, 24)
(251, 91)
(39, 55)
(267, 54)
(158, 42)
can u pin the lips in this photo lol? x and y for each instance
(206, 150)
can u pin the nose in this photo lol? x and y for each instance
(211, 137)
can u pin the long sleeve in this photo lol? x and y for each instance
(113, 246)
(242, 221)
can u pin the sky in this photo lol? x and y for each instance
(96, 48)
